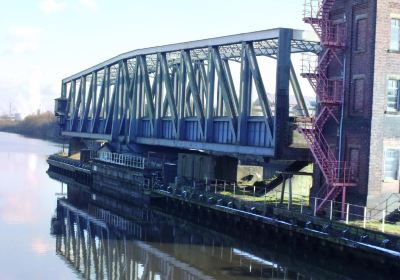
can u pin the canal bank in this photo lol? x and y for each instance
(250, 221)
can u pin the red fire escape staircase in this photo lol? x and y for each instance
(337, 174)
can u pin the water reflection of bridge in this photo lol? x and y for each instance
(93, 248)
(99, 244)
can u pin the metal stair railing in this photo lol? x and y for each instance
(337, 174)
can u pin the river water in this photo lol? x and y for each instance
(54, 230)
(27, 203)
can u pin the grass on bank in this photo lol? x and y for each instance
(300, 190)
(390, 228)
(377, 226)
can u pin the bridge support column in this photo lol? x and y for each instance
(210, 98)
(281, 134)
(245, 97)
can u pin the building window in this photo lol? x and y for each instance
(395, 35)
(355, 161)
(361, 34)
(358, 95)
(393, 96)
(392, 158)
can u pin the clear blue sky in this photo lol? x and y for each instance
(43, 41)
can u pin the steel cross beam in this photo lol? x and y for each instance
(184, 95)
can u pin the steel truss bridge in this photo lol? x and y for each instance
(188, 95)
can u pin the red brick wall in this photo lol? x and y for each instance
(357, 70)
(367, 66)
(384, 126)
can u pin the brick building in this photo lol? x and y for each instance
(371, 110)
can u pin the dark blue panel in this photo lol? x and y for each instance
(257, 134)
(263, 134)
(192, 130)
(226, 132)
(257, 131)
(250, 134)
(167, 129)
(145, 128)
(89, 124)
(102, 123)
(68, 125)
(222, 132)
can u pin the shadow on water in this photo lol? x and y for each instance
(104, 238)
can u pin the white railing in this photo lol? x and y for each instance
(355, 215)
(122, 159)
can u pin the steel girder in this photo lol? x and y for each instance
(184, 95)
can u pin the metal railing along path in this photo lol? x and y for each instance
(221, 191)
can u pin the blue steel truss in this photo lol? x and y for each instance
(183, 95)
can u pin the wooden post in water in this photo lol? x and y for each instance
(315, 206)
(301, 205)
(283, 189)
(265, 201)
(290, 193)
(365, 217)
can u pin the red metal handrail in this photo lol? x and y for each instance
(338, 174)
(311, 8)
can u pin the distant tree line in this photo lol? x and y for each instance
(43, 126)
